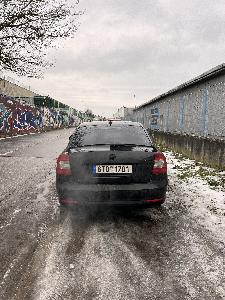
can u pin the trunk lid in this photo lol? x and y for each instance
(83, 160)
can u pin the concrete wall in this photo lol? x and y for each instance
(206, 150)
(196, 110)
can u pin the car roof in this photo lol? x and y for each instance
(114, 123)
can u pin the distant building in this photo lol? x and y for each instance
(124, 113)
(12, 88)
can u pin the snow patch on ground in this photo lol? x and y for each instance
(97, 269)
(53, 281)
(205, 203)
(110, 269)
(9, 222)
(17, 136)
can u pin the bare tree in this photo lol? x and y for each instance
(89, 113)
(29, 27)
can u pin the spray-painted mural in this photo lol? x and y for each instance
(154, 121)
(17, 117)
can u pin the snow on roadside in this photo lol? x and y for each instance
(201, 191)
(53, 280)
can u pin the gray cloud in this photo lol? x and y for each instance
(135, 47)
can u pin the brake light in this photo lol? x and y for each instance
(63, 164)
(154, 200)
(160, 165)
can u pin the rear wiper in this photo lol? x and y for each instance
(145, 146)
(92, 145)
(133, 145)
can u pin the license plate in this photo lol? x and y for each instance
(112, 169)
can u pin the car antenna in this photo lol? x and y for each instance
(110, 123)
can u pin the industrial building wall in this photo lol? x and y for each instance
(13, 90)
(197, 110)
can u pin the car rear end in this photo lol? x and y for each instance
(111, 164)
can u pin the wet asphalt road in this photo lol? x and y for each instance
(153, 254)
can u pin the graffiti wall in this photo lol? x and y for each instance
(19, 118)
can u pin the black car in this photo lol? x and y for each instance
(111, 163)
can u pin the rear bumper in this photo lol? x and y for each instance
(146, 194)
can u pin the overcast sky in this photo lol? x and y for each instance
(134, 47)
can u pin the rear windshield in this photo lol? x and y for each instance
(117, 135)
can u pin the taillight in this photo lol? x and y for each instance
(63, 164)
(160, 165)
